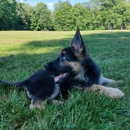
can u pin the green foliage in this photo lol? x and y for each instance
(112, 12)
(92, 15)
(24, 12)
(62, 16)
(81, 16)
(8, 14)
(41, 18)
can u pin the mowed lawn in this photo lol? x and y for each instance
(24, 52)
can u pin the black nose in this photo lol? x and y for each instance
(46, 65)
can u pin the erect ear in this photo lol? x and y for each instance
(78, 44)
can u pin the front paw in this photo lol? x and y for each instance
(114, 93)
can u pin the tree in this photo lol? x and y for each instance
(24, 12)
(62, 16)
(112, 12)
(123, 9)
(1, 10)
(41, 18)
(8, 14)
(81, 16)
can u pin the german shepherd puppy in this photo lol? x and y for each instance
(40, 86)
(81, 70)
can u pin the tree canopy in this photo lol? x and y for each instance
(92, 15)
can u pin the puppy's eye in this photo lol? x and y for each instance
(63, 58)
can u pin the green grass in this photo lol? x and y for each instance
(24, 52)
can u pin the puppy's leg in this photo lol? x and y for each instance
(111, 92)
(103, 80)
(37, 103)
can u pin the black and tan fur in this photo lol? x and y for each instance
(40, 87)
(83, 71)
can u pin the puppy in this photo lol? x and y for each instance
(82, 70)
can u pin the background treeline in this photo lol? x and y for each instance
(92, 15)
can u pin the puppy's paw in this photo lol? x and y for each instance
(37, 104)
(114, 93)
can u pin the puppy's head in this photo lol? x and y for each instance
(68, 64)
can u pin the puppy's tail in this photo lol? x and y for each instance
(17, 84)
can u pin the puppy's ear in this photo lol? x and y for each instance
(78, 44)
